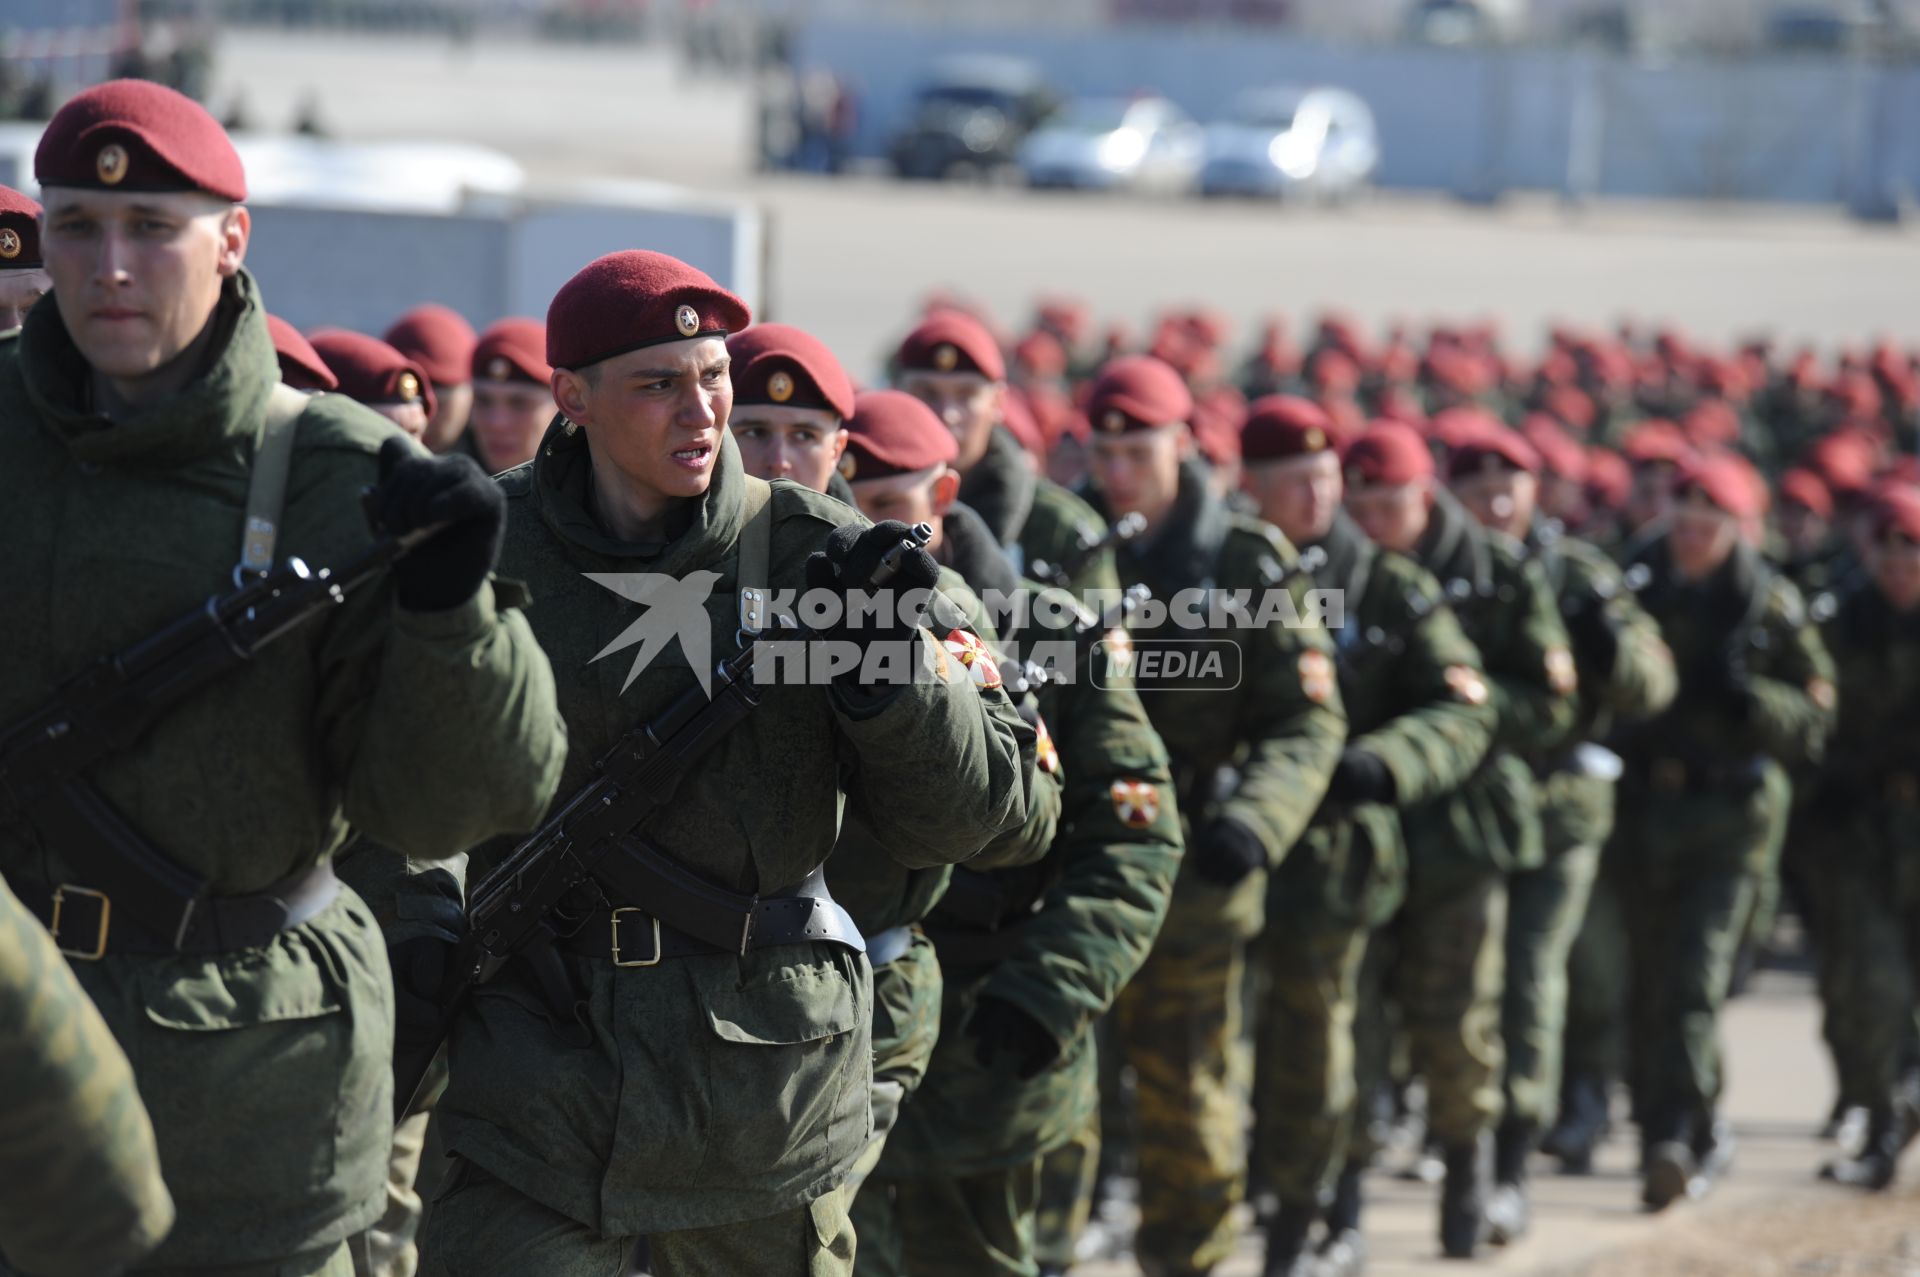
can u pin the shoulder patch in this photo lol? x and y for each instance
(1562, 676)
(1044, 752)
(1135, 802)
(966, 648)
(1318, 681)
(1823, 693)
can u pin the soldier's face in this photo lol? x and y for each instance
(1139, 470)
(780, 442)
(653, 418)
(137, 275)
(1393, 517)
(1563, 499)
(509, 419)
(1700, 538)
(1651, 496)
(966, 403)
(1802, 529)
(19, 290)
(1504, 501)
(1300, 495)
(1895, 563)
(922, 497)
(452, 407)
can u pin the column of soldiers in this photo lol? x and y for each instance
(1520, 713)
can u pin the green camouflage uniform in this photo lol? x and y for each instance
(268, 1072)
(1408, 676)
(1440, 959)
(1035, 520)
(956, 1189)
(84, 1196)
(1702, 806)
(1259, 755)
(1626, 675)
(1864, 834)
(719, 1099)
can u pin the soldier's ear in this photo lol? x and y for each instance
(570, 395)
(946, 490)
(236, 230)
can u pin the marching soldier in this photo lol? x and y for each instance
(1625, 674)
(1703, 804)
(1032, 954)
(300, 364)
(1251, 762)
(84, 1195)
(23, 274)
(441, 343)
(512, 405)
(1442, 956)
(1414, 692)
(790, 413)
(1863, 822)
(377, 375)
(195, 898)
(637, 1078)
(952, 364)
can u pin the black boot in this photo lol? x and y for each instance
(1344, 1254)
(1288, 1254)
(1879, 1157)
(1509, 1213)
(1582, 1125)
(1668, 1162)
(1463, 1200)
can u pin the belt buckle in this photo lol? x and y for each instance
(1669, 775)
(99, 949)
(614, 945)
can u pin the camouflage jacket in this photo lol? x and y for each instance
(84, 1195)
(715, 1087)
(1867, 797)
(427, 731)
(1034, 519)
(1506, 608)
(1416, 698)
(1260, 751)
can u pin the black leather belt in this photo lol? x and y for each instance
(681, 924)
(85, 927)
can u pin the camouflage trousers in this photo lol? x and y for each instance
(1069, 1177)
(1177, 1024)
(331, 1261)
(483, 1228)
(1599, 970)
(962, 1226)
(1545, 909)
(1440, 964)
(1304, 1087)
(906, 1027)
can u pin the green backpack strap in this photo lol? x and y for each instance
(267, 485)
(756, 556)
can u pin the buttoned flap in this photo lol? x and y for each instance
(291, 979)
(800, 1001)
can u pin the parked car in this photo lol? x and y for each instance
(1295, 143)
(1139, 143)
(970, 118)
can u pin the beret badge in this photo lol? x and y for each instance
(498, 368)
(111, 163)
(409, 386)
(9, 244)
(780, 387)
(945, 357)
(687, 320)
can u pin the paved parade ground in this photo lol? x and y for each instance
(850, 258)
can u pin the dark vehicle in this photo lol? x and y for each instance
(970, 118)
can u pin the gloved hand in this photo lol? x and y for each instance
(1360, 777)
(1596, 631)
(417, 492)
(998, 1027)
(847, 561)
(1227, 851)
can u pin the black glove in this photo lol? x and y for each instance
(998, 1027)
(1596, 631)
(1360, 777)
(1226, 852)
(416, 492)
(847, 562)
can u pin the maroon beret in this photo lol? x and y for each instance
(780, 364)
(1137, 392)
(1725, 480)
(134, 135)
(952, 341)
(300, 364)
(513, 350)
(1492, 452)
(634, 299)
(1458, 427)
(438, 339)
(1655, 441)
(1609, 478)
(1388, 455)
(1897, 510)
(1560, 453)
(1808, 490)
(891, 432)
(1280, 427)
(372, 371)
(19, 231)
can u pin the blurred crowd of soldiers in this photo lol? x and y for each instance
(1623, 656)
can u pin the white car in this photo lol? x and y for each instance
(1142, 143)
(1295, 143)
